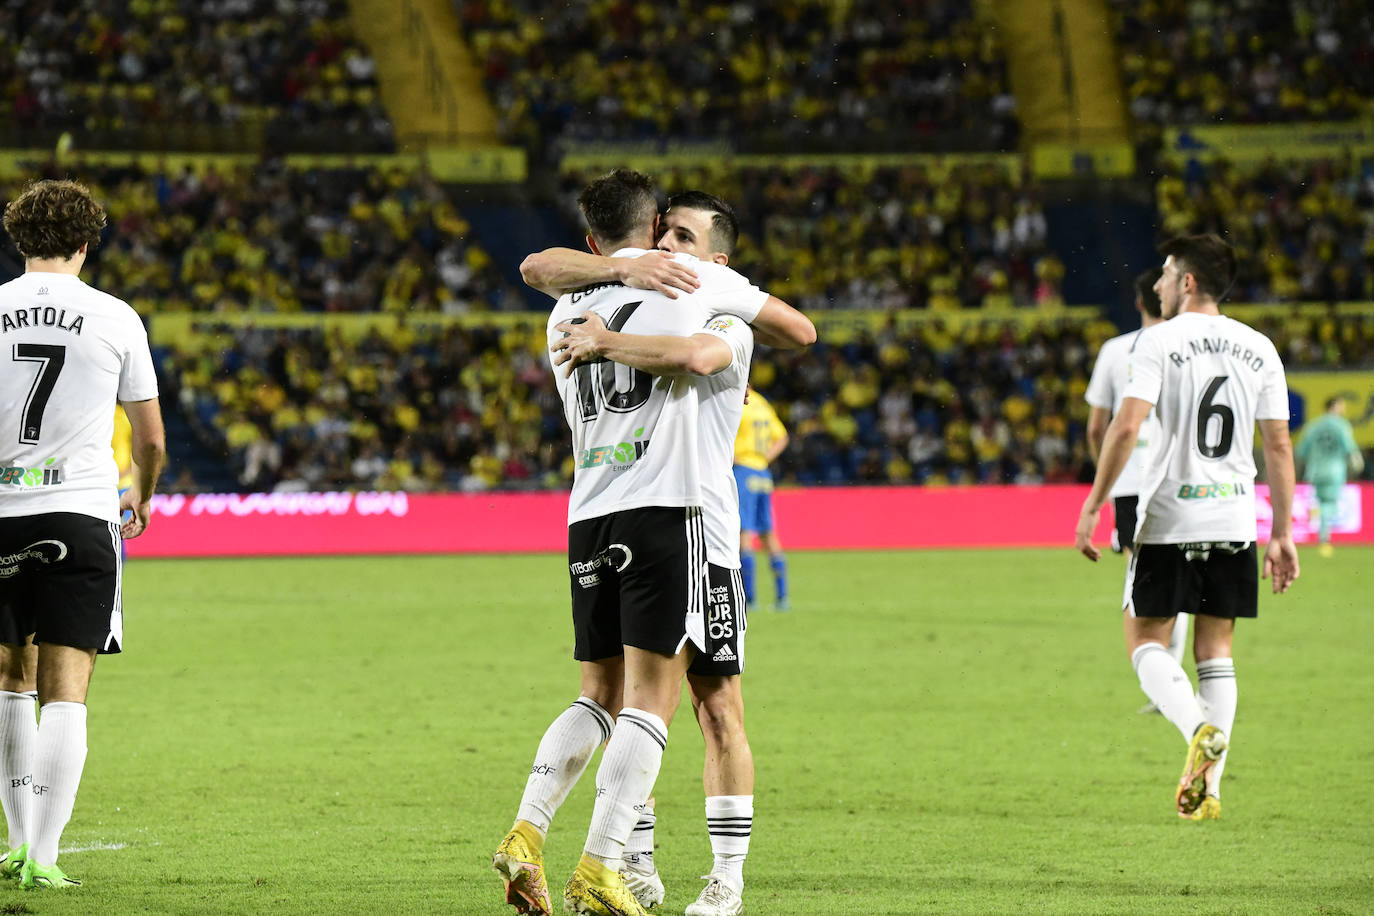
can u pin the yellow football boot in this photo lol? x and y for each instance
(1209, 810)
(1207, 746)
(595, 890)
(519, 860)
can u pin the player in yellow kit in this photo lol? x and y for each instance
(760, 440)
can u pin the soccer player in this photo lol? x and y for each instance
(1210, 379)
(636, 550)
(1326, 450)
(760, 440)
(705, 227)
(1105, 390)
(701, 225)
(69, 352)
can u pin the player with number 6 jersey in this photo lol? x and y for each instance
(1211, 380)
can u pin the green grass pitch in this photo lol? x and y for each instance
(935, 732)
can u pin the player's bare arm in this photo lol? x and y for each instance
(1117, 445)
(1281, 556)
(656, 354)
(1098, 420)
(782, 327)
(149, 453)
(556, 271)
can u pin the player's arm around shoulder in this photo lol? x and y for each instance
(776, 324)
(589, 340)
(555, 271)
(149, 453)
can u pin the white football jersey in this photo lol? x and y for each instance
(722, 404)
(1210, 379)
(67, 352)
(615, 412)
(1106, 389)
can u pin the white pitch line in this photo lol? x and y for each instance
(95, 847)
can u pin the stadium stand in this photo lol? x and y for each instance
(452, 408)
(212, 76)
(888, 234)
(865, 75)
(947, 355)
(264, 237)
(1245, 62)
(1301, 228)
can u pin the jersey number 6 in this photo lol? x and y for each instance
(1205, 411)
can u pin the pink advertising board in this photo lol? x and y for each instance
(297, 524)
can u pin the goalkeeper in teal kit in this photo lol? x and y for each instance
(1325, 452)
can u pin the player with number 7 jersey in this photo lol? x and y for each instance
(67, 353)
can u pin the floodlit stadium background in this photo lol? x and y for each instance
(320, 208)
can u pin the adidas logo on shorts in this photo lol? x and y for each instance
(723, 654)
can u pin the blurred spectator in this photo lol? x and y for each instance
(783, 74)
(1302, 231)
(125, 73)
(272, 239)
(890, 237)
(1245, 61)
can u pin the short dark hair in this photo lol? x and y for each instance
(1208, 258)
(1334, 400)
(617, 205)
(53, 219)
(1145, 291)
(724, 225)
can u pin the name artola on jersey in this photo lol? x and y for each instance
(37, 316)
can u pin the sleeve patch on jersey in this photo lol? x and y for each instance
(720, 323)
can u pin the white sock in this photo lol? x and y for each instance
(625, 779)
(563, 753)
(1178, 639)
(58, 758)
(18, 735)
(639, 849)
(1216, 688)
(1166, 684)
(730, 820)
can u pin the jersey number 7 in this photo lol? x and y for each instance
(50, 359)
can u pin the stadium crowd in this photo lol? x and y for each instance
(263, 237)
(865, 74)
(868, 236)
(474, 408)
(117, 69)
(1245, 61)
(1303, 230)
